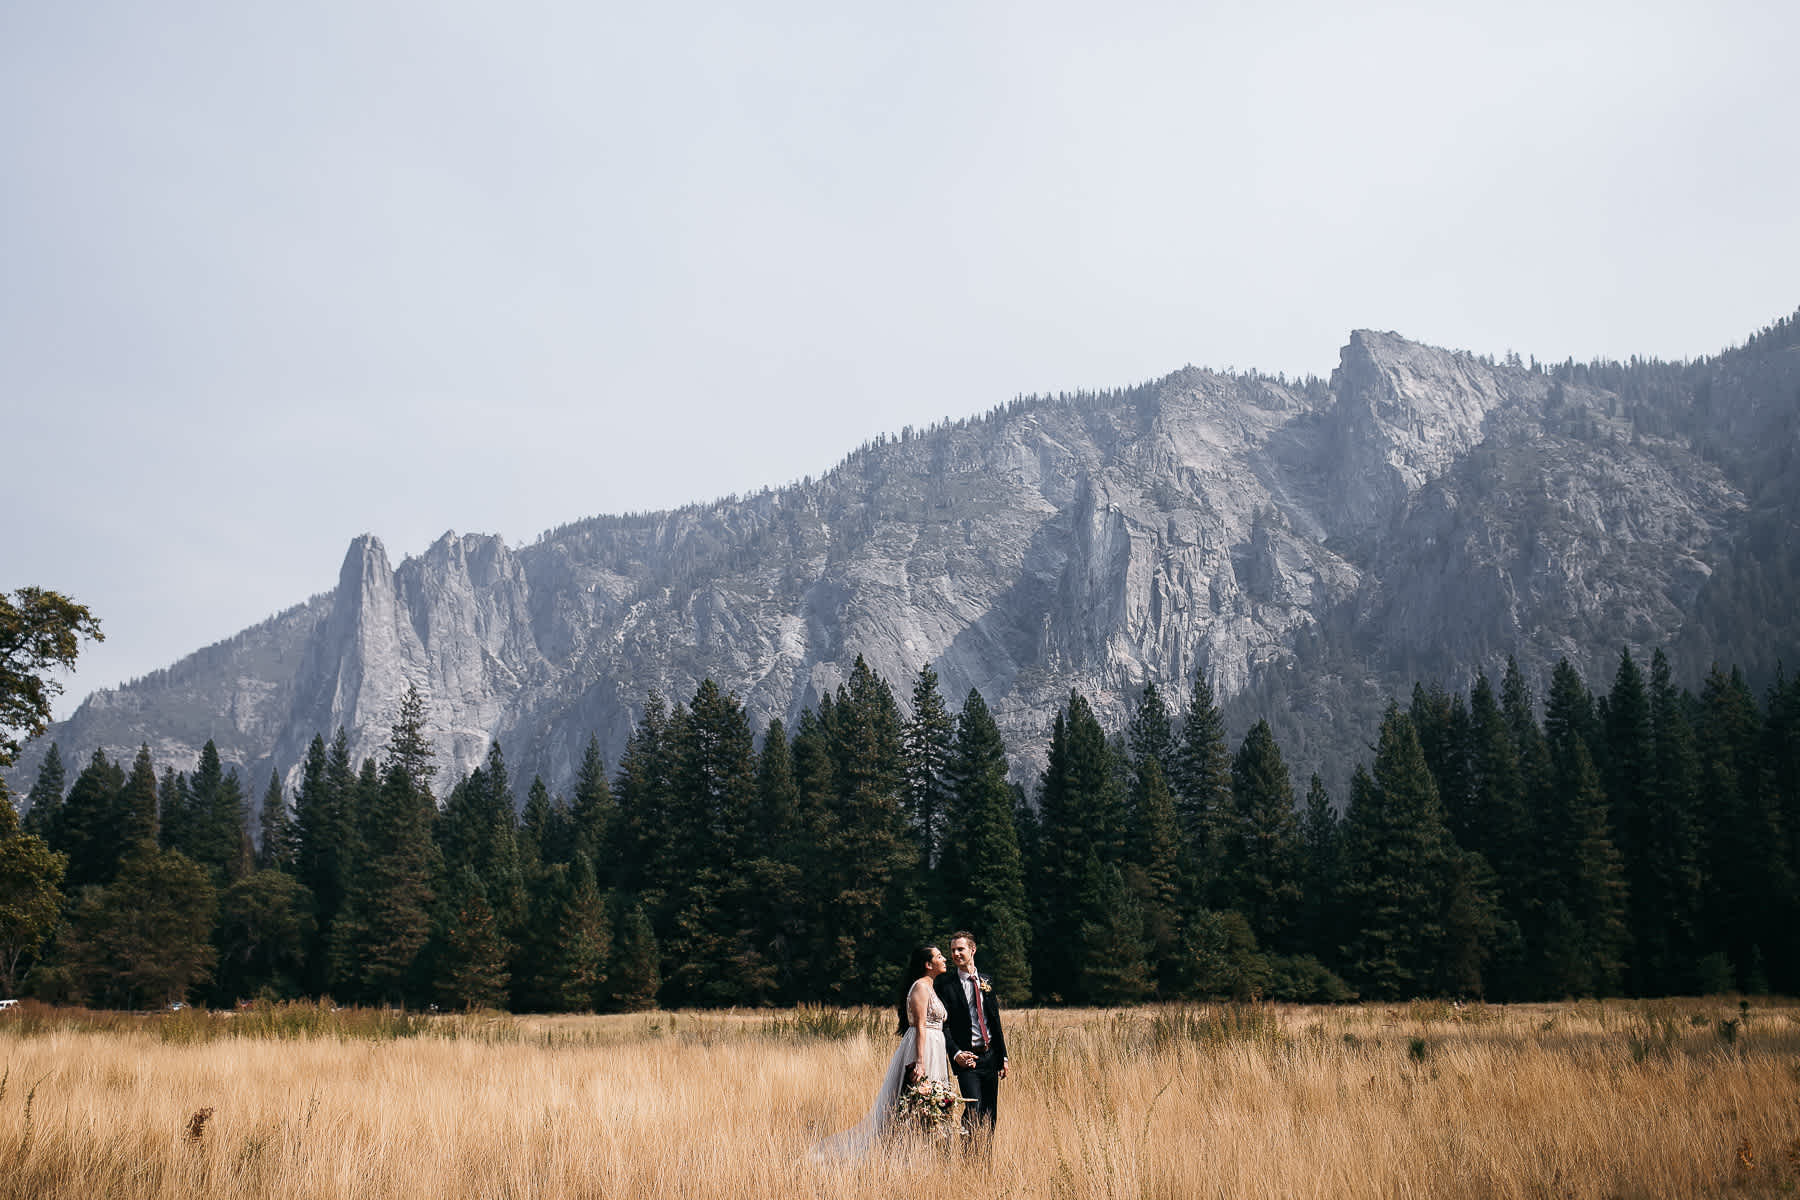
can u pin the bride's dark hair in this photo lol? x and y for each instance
(915, 970)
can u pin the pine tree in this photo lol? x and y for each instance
(1537, 785)
(1473, 927)
(778, 821)
(715, 952)
(815, 788)
(475, 973)
(926, 757)
(279, 850)
(545, 835)
(1781, 729)
(1321, 873)
(975, 756)
(1152, 734)
(584, 943)
(365, 807)
(386, 917)
(1399, 869)
(1501, 829)
(1265, 854)
(477, 829)
(188, 829)
(459, 826)
(1443, 726)
(90, 826)
(1750, 886)
(1630, 754)
(1082, 814)
(266, 929)
(774, 869)
(174, 810)
(1030, 832)
(1528, 738)
(44, 801)
(243, 859)
(1222, 956)
(642, 795)
(1631, 759)
(1201, 781)
(593, 817)
(984, 872)
(1585, 943)
(1666, 886)
(146, 936)
(500, 867)
(633, 978)
(537, 981)
(1113, 964)
(172, 801)
(409, 749)
(1569, 714)
(137, 800)
(1589, 937)
(872, 903)
(1156, 877)
(325, 843)
(214, 827)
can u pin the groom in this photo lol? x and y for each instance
(972, 1034)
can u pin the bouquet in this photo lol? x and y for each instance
(928, 1106)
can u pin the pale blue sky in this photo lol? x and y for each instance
(277, 275)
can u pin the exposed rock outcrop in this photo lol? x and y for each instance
(1312, 546)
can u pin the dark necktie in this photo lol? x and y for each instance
(980, 1015)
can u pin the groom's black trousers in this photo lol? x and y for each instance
(980, 1084)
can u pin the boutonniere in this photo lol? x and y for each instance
(981, 981)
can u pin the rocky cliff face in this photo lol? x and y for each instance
(1313, 547)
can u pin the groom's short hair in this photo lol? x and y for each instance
(966, 936)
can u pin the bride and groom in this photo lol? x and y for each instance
(949, 1026)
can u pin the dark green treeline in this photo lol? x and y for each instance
(1640, 839)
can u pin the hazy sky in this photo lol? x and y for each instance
(275, 275)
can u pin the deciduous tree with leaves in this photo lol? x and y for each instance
(40, 632)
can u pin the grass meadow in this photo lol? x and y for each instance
(1590, 1099)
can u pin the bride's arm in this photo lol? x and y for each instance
(917, 1001)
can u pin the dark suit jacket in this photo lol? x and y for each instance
(956, 1025)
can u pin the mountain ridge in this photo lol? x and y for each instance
(1307, 543)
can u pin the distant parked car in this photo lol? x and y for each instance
(5, 1004)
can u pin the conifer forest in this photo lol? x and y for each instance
(1632, 837)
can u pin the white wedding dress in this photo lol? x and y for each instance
(927, 1048)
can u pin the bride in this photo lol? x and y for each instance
(921, 1056)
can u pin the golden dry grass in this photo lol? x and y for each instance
(1583, 1100)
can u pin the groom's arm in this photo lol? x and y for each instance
(956, 1031)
